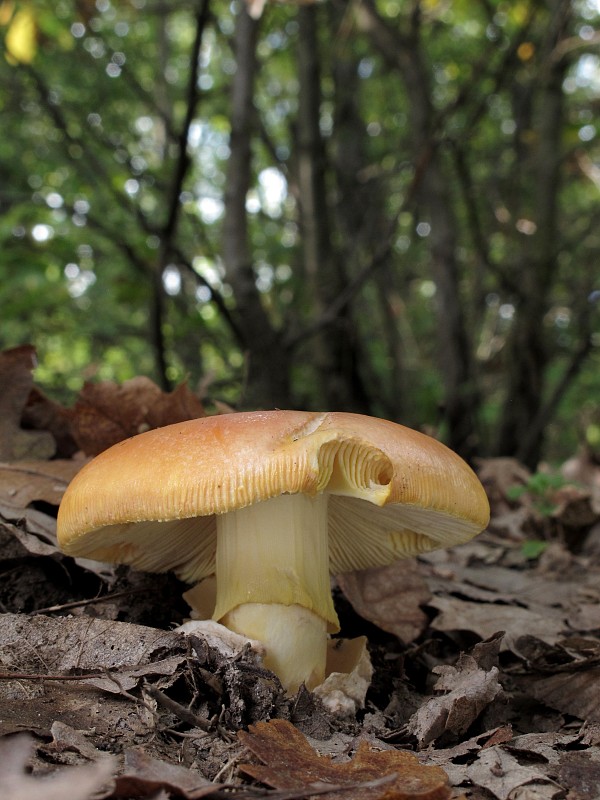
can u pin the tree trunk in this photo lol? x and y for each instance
(362, 224)
(333, 349)
(267, 362)
(404, 53)
(527, 354)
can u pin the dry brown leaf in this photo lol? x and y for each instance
(503, 776)
(470, 686)
(143, 776)
(564, 676)
(106, 413)
(583, 468)
(34, 705)
(391, 597)
(70, 745)
(498, 476)
(62, 645)
(24, 482)
(69, 783)
(33, 529)
(16, 367)
(289, 762)
(455, 760)
(580, 774)
(541, 747)
(575, 693)
(575, 507)
(485, 619)
(43, 414)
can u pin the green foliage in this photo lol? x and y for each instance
(90, 153)
(541, 488)
(532, 549)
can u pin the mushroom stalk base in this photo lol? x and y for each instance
(295, 640)
(272, 570)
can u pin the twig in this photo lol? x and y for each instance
(38, 676)
(92, 601)
(184, 714)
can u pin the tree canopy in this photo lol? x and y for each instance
(372, 205)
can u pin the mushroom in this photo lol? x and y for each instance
(271, 503)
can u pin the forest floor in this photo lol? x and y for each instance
(486, 658)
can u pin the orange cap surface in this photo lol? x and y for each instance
(150, 501)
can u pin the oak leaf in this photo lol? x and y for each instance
(106, 413)
(290, 763)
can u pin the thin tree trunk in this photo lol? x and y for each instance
(333, 349)
(169, 229)
(403, 52)
(362, 225)
(267, 363)
(528, 354)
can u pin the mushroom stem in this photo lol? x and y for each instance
(272, 569)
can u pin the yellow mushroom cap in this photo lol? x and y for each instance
(151, 501)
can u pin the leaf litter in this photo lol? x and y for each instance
(486, 658)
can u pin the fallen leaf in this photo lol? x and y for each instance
(470, 686)
(106, 413)
(289, 762)
(33, 529)
(16, 380)
(43, 414)
(60, 646)
(502, 775)
(485, 619)
(24, 482)
(390, 597)
(143, 776)
(575, 693)
(499, 476)
(575, 507)
(68, 783)
(66, 739)
(542, 746)
(455, 760)
(35, 705)
(580, 774)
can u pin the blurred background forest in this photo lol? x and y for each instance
(383, 206)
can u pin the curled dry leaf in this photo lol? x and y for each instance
(391, 597)
(34, 530)
(106, 413)
(22, 485)
(470, 687)
(290, 763)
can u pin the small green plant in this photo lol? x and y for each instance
(541, 487)
(533, 548)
